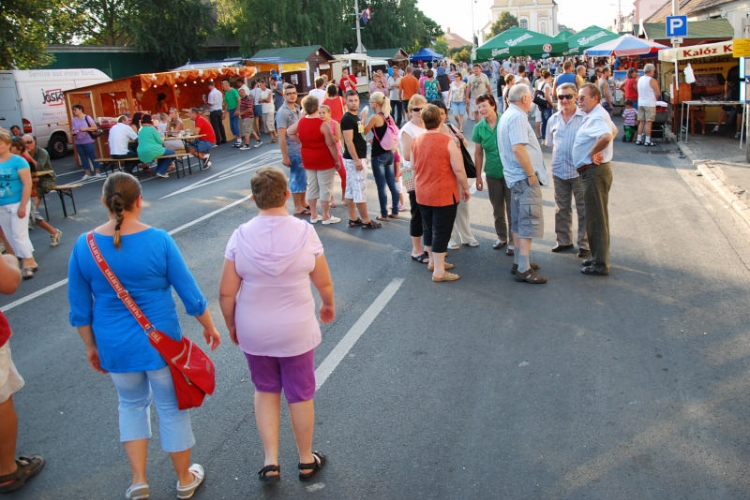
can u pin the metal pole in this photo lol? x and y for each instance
(675, 10)
(360, 49)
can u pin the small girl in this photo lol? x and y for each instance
(18, 147)
(399, 182)
(629, 115)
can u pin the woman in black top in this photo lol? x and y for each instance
(380, 158)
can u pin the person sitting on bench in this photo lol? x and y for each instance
(151, 147)
(200, 146)
(119, 143)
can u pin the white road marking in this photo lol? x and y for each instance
(355, 332)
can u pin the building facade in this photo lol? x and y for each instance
(534, 15)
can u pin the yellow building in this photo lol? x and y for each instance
(535, 15)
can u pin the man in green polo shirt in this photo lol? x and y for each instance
(485, 138)
(232, 106)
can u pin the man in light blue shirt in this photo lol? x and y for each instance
(523, 167)
(592, 152)
(561, 133)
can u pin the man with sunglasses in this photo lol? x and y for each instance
(592, 152)
(562, 128)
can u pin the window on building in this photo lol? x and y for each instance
(543, 27)
(523, 23)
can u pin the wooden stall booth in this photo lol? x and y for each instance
(394, 57)
(299, 66)
(182, 89)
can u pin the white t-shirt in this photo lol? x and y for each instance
(319, 93)
(215, 100)
(267, 107)
(119, 137)
(394, 94)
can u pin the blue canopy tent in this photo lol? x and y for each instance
(426, 55)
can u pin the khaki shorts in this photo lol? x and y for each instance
(356, 181)
(248, 126)
(646, 113)
(269, 121)
(320, 184)
(10, 380)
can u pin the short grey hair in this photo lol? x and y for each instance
(649, 68)
(568, 85)
(517, 91)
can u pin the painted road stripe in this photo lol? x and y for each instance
(355, 332)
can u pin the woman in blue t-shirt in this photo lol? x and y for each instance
(15, 204)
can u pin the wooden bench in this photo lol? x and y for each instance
(63, 190)
(178, 158)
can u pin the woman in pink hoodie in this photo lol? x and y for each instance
(268, 306)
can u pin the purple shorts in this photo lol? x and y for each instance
(295, 374)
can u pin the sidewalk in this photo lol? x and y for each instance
(722, 163)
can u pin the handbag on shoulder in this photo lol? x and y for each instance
(193, 372)
(471, 169)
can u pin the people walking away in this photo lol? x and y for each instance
(149, 265)
(288, 115)
(409, 85)
(561, 133)
(231, 105)
(487, 160)
(80, 126)
(648, 94)
(440, 183)
(355, 162)
(319, 158)
(525, 173)
(381, 158)
(151, 147)
(201, 146)
(335, 103)
(567, 76)
(278, 332)
(247, 115)
(15, 471)
(216, 110)
(15, 204)
(592, 152)
(444, 84)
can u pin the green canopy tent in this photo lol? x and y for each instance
(593, 35)
(563, 35)
(520, 42)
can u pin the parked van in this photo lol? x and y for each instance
(33, 100)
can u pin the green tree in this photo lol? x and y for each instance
(23, 37)
(503, 23)
(441, 46)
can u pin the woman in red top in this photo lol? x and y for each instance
(631, 87)
(439, 182)
(319, 158)
(335, 102)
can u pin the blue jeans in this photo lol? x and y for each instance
(234, 122)
(163, 163)
(136, 391)
(546, 114)
(297, 174)
(87, 153)
(382, 169)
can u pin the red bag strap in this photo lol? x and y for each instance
(121, 292)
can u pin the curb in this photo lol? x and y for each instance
(708, 172)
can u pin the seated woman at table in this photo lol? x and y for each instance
(173, 128)
(151, 147)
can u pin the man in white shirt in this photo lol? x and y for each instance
(215, 106)
(394, 94)
(592, 152)
(268, 108)
(119, 143)
(319, 92)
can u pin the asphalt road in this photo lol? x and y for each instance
(632, 386)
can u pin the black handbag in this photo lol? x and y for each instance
(471, 169)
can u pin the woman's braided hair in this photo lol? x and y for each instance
(120, 192)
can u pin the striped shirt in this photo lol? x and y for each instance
(246, 107)
(560, 137)
(515, 129)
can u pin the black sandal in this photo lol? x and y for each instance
(372, 225)
(317, 464)
(264, 477)
(28, 467)
(355, 223)
(422, 259)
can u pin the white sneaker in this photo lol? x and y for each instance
(258, 144)
(85, 177)
(452, 245)
(331, 220)
(472, 242)
(163, 176)
(315, 220)
(100, 175)
(184, 492)
(244, 147)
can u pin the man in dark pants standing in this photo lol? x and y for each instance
(592, 152)
(215, 106)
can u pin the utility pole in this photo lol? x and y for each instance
(360, 48)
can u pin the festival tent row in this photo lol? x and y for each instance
(520, 42)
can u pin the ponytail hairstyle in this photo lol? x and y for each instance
(119, 193)
(383, 101)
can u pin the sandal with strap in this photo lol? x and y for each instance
(446, 266)
(372, 225)
(318, 463)
(422, 259)
(27, 273)
(355, 223)
(264, 477)
(28, 467)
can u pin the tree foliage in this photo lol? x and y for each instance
(23, 39)
(441, 46)
(503, 23)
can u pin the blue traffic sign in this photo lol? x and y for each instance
(676, 26)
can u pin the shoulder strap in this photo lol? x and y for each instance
(122, 294)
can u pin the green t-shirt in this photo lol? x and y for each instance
(232, 98)
(487, 137)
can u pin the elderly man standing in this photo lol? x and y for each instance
(592, 152)
(523, 167)
(561, 133)
(648, 94)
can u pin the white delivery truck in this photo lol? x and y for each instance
(33, 100)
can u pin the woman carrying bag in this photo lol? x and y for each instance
(148, 264)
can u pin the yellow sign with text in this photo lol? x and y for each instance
(741, 47)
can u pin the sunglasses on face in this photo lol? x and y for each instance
(416, 109)
(562, 97)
